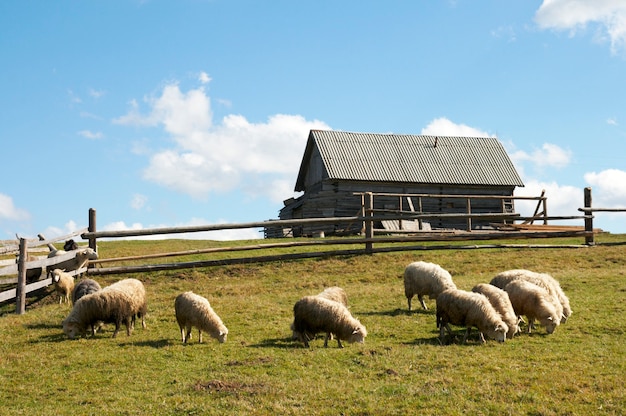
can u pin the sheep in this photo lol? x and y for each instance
(81, 258)
(84, 287)
(469, 309)
(335, 293)
(422, 278)
(499, 299)
(63, 284)
(118, 303)
(560, 300)
(313, 314)
(534, 302)
(193, 310)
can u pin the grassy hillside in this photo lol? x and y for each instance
(401, 369)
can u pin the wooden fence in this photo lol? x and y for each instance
(370, 244)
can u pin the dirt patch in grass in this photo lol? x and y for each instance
(228, 387)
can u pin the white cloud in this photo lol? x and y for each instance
(208, 157)
(550, 155)
(608, 16)
(68, 228)
(8, 210)
(219, 235)
(138, 201)
(563, 200)
(608, 187)
(88, 134)
(444, 127)
(96, 93)
(611, 121)
(204, 78)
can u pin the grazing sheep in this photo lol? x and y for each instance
(561, 301)
(469, 309)
(118, 303)
(81, 258)
(422, 278)
(314, 314)
(335, 293)
(534, 302)
(85, 287)
(499, 299)
(195, 310)
(63, 284)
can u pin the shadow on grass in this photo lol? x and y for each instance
(285, 343)
(156, 343)
(58, 337)
(396, 312)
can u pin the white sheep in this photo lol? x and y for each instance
(422, 278)
(335, 293)
(118, 303)
(195, 311)
(314, 314)
(534, 302)
(560, 300)
(81, 258)
(499, 299)
(63, 284)
(469, 309)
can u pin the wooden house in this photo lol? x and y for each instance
(338, 164)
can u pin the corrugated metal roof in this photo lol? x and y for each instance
(411, 158)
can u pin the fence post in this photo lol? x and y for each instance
(589, 237)
(369, 224)
(20, 292)
(92, 229)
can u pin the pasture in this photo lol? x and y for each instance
(400, 369)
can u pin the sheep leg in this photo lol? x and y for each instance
(408, 299)
(128, 324)
(339, 343)
(531, 324)
(467, 333)
(199, 336)
(117, 328)
(328, 336)
(421, 298)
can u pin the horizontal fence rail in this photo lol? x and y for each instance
(368, 242)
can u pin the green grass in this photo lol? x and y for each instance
(401, 369)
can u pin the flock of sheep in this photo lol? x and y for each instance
(495, 309)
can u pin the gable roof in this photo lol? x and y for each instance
(410, 158)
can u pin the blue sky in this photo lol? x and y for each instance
(172, 113)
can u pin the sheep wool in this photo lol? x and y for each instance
(499, 299)
(534, 302)
(469, 309)
(118, 303)
(335, 293)
(544, 280)
(193, 310)
(422, 278)
(81, 258)
(84, 287)
(314, 314)
(63, 284)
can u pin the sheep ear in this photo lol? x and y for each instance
(356, 331)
